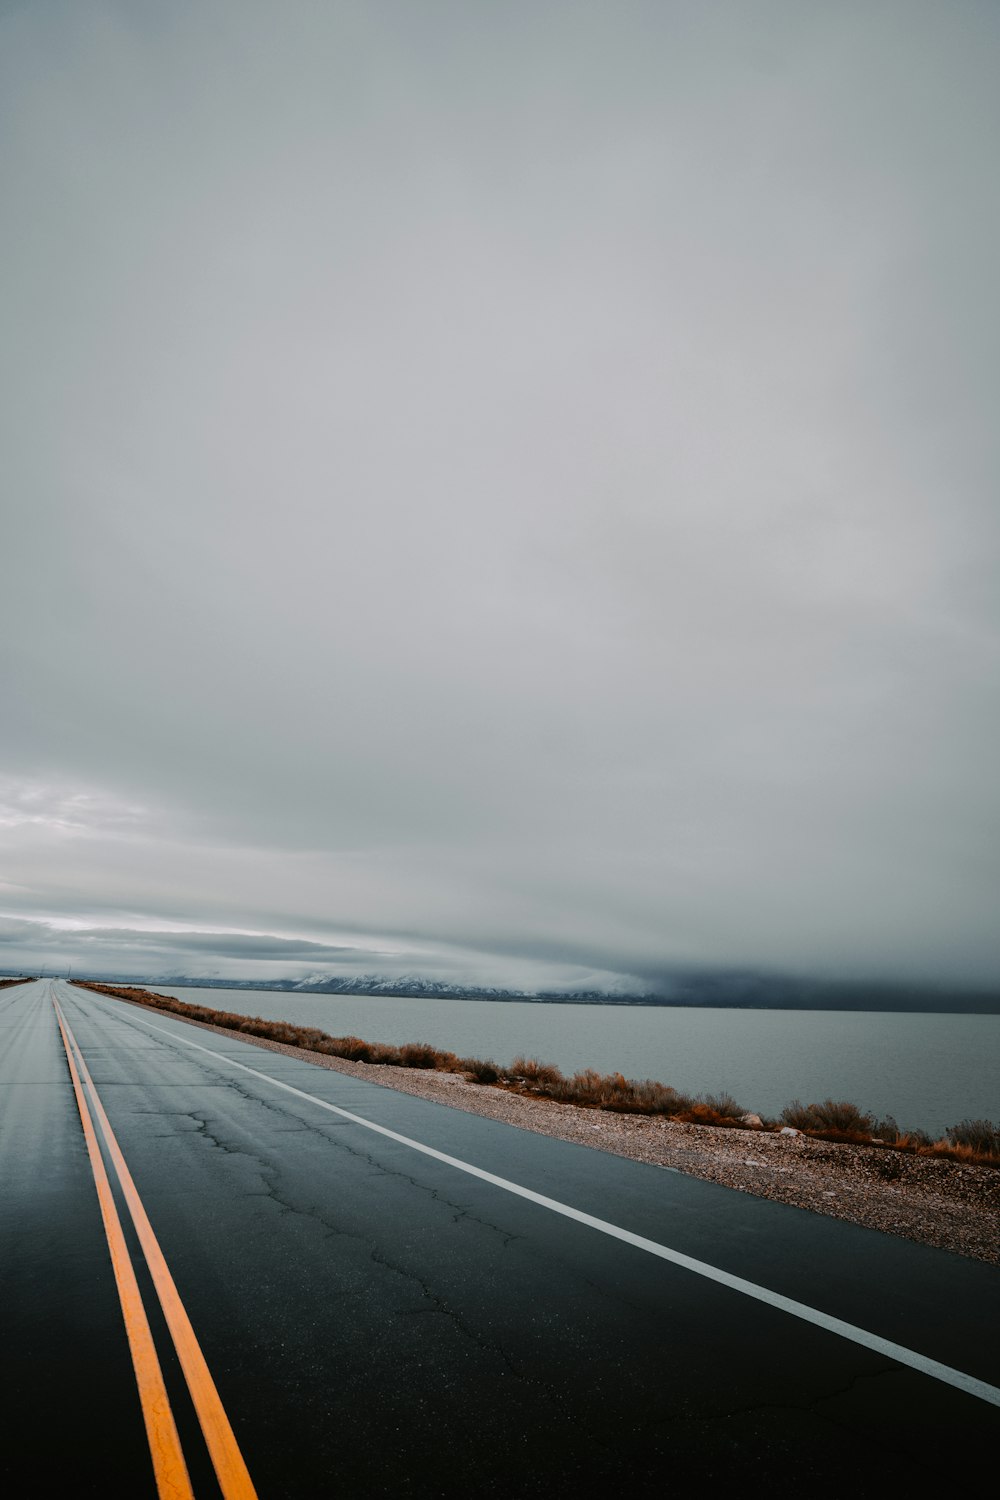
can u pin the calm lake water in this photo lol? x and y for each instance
(925, 1070)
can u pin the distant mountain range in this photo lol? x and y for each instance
(707, 989)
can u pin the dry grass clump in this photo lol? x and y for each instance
(615, 1091)
(535, 1074)
(423, 1055)
(716, 1109)
(593, 1090)
(980, 1136)
(976, 1141)
(481, 1069)
(834, 1119)
(5, 984)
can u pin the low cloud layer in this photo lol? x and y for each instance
(501, 491)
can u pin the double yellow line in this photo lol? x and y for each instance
(172, 1480)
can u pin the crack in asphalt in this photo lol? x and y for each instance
(439, 1305)
(201, 1129)
(798, 1407)
(460, 1211)
(849, 1388)
(321, 1128)
(271, 1176)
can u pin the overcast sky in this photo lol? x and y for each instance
(501, 491)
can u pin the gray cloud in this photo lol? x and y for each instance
(224, 944)
(512, 484)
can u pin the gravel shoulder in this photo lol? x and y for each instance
(944, 1204)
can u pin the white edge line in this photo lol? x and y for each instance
(898, 1352)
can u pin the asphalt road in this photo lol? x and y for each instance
(379, 1321)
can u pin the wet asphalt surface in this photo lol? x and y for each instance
(379, 1323)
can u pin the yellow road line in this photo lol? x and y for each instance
(231, 1471)
(172, 1482)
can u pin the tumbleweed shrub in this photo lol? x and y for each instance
(533, 1073)
(912, 1140)
(423, 1055)
(835, 1119)
(354, 1049)
(980, 1136)
(974, 1141)
(715, 1109)
(613, 1091)
(886, 1132)
(590, 1088)
(981, 1155)
(480, 1069)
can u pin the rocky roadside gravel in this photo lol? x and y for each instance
(945, 1204)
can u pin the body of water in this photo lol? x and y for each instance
(926, 1070)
